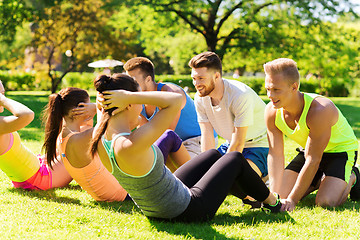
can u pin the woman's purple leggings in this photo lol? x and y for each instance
(168, 142)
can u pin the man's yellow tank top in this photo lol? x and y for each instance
(19, 163)
(342, 136)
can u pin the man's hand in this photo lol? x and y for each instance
(287, 205)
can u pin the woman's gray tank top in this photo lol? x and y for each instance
(158, 193)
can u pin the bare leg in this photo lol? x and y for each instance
(257, 170)
(271, 199)
(60, 177)
(170, 164)
(180, 157)
(333, 191)
(254, 167)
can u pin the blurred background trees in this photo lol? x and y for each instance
(53, 38)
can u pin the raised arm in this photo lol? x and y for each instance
(86, 110)
(276, 157)
(144, 136)
(21, 117)
(170, 88)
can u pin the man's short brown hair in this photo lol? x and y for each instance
(209, 60)
(142, 63)
(284, 66)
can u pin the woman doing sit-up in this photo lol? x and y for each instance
(63, 122)
(196, 190)
(23, 167)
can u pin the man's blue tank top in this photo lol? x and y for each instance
(188, 126)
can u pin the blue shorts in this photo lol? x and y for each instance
(257, 155)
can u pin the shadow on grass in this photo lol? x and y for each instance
(193, 230)
(206, 231)
(252, 218)
(309, 203)
(48, 195)
(127, 206)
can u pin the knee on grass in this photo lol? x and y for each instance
(326, 201)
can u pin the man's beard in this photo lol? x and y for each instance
(208, 90)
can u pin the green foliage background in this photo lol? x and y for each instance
(70, 213)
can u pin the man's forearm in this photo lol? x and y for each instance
(236, 146)
(207, 143)
(276, 172)
(304, 180)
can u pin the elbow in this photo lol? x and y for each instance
(178, 100)
(28, 116)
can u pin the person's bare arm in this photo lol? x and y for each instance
(207, 136)
(21, 117)
(238, 139)
(276, 157)
(144, 136)
(170, 88)
(319, 136)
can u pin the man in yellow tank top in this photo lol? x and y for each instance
(327, 162)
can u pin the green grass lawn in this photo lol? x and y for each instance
(69, 213)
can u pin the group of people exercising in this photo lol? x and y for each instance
(154, 145)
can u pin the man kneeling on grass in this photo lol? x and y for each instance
(327, 162)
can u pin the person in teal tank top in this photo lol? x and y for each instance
(329, 146)
(196, 189)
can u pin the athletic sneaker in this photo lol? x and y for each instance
(273, 208)
(355, 189)
(254, 204)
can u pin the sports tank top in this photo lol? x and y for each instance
(187, 126)
(19, 163)
(342, 136)
(94, 177)
(158, 193)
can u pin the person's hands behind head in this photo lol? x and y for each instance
(114, 99)
(2, 97)
(85, 110)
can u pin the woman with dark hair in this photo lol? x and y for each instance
(196, 190)
(23, 167)
(68, 113)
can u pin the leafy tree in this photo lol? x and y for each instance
(12, 14)
(78, 27)
(209, 17)
(12, 53)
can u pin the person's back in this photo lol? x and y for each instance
(168, 198)
(87, 171)
(193, 192)
(67, 117)
(24, 168)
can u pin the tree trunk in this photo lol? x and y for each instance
(54, 84)
(211, 42)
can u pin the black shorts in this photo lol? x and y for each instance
(337, 165)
